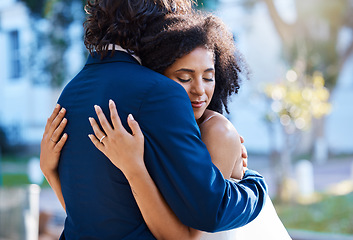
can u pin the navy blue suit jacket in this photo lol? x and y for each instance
(98, 198)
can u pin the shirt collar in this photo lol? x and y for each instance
(119, 48)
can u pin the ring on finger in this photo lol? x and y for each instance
(100, 140)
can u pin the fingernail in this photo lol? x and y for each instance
(62, 110)
(131, 117)
(111, 101)
(57, 105)
(90, 119)
(64, 120)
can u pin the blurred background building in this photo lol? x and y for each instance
(30, 56)
(297, 104)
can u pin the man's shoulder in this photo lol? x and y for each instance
(156, 83)
(127, 79)
(160, 81)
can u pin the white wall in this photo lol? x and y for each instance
(13, 91)
(24, 103)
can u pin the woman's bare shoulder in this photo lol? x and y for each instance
(217, 125)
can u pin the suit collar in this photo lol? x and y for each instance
(119, 56)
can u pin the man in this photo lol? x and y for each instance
(98, 198)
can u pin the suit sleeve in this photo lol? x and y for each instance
(181, 167)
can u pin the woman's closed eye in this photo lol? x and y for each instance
(208, 76)
(209, 79)
(184, 80)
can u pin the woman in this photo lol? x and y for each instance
(198, 53)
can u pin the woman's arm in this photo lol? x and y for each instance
(159, 217)
(50, 149)
(224, 145)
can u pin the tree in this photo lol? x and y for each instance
(54, 41)
(295, 106)
(207, 4)
(311, 44)
(313, 37)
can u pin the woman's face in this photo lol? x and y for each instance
(196, 73)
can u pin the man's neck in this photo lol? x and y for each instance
(119, 48)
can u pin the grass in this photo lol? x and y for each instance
(13, 180)
(332, 214)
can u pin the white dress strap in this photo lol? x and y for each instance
(208, 118)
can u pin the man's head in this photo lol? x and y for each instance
(124, 21)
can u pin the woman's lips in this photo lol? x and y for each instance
(197, 104)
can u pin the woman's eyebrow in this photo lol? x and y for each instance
(209, 70)
(185, 70)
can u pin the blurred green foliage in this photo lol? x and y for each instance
(3, 141)
(43, 8)
(12, 180)
(59, 14)
(312, 39)
(296, 104)
(36, 6)
(207, 4)
(332, 214)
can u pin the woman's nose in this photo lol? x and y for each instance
(198, 88)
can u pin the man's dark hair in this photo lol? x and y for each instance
(177, 35)
(124, 21)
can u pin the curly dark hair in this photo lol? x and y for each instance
(177, 35)
(123, 21)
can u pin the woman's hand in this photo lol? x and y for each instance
(244, 155)
(52, 143)
(241, 163)
(124, 150)
(50, 149)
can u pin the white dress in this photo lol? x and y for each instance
(266, 225)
